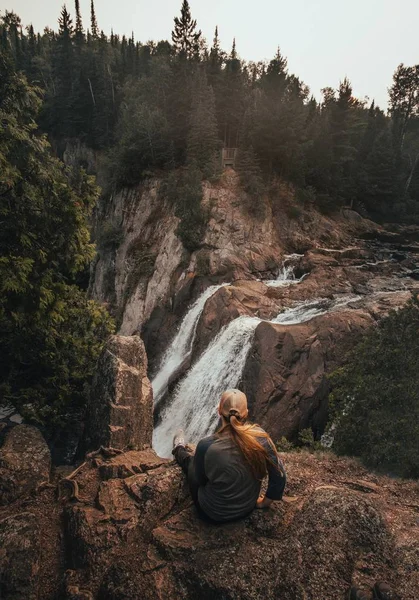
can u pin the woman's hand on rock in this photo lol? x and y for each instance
(263, 502)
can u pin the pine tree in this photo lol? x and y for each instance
(203, 142)
(275, 77)
(379, 189)
(58, 111)
(231, 99)
(185, 36)
(79, 33)
(344, 130)
(93, 22)
(404, 102)
(247, 166)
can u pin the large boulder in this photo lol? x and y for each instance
(120, 408)
(20, 553)
(138, 537)
(25, 462)
(285, 374)
(229, 302)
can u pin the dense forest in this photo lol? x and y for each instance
(167, 109)
(155, 106)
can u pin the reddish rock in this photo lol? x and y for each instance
(20, 554)
(120, 408)
(229, 302)
(91, 534)
(129, 463)
(25, 463)
(285, 374)
(157, 492)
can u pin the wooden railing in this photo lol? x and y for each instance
(229, 157)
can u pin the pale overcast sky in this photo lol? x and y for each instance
(324, 40)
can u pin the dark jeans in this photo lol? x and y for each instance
(185, 459)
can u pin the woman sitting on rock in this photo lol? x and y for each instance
(226, 471)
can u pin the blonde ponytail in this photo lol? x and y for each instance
(246, 435)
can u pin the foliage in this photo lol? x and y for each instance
(158, 106)
(306, 440)
(293, 212)
(50, 333)
(375, 397)
(185, 36)
(251, 180)
(284, 445)
(203, 143)
(110, 235)
(306, 443)
(184, 191)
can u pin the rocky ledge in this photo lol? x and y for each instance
(122, 526)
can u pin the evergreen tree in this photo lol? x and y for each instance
(404, 101)
(93, 22)
(50, 333)
(185, 36)
(58, 112)
(231, 99)
(203, 142)
(375, 396)
(344, 127)
(79, 33)
(379, 191)
(215, 62)
(251, 179)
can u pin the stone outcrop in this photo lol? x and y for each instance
(148, 278)
(229, 302)
(25, 463)
(20, 554)
(120, 407)
(131, 531)
(138, 537)
(285, 374)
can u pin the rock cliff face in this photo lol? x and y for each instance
(147, 276)
(128, 531)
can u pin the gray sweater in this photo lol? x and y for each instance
(228, 489)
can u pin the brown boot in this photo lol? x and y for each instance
(382, 591)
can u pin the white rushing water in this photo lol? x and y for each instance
(305, 311)
(181, 346)
(302, 312)
(286, 275)
(193, 407)
(194, 402)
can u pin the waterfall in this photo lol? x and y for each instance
(286, 274)
(302, 312)
(194, 405)
(305, 311)
(181, 347)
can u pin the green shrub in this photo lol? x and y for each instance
(375, 398)
(183, 189)
(306, 440)
(141, 260)
(110, 235)
(50, 332)
(293, 212)
(284, 445)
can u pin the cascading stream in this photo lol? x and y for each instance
(181, 347)
(286, 275)
(193, 407)
(194, 403)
